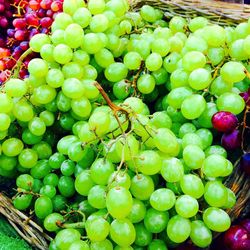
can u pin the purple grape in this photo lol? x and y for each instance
(224, 121)
(231, 141)
(245, 163)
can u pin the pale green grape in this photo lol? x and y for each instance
(146, 84)
(116, 72)
(81, 57)
(5, 121)
(172, 169)
(15, 87)
(193, 60)
(186, 206)
(215, 35)
(178, 95)
(153, 62)
(38, 67)
(195, 43)
(132, 60)
(237, 51)
(72, 70)
(215, 194)
(62, 54)
(231, 102)
(192, 185)
(170, 62)
(178, 229)
(55, 78)
(73, 88)
(38, 41)
(216, 219)
(160, 46)
(177, 24)
(200, 235)
(162, 199)
(193, 156)
(148, 13)
(197, 23)
(99, 23)
(214, 165)
(179, 78)
(218, 86)
(96, 6)
(82, 16)
(216, 55)
(73, 35)
(232, 72)
(104, 58)
(92, 43)
(199, 79)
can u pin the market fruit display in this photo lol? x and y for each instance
(112, 137)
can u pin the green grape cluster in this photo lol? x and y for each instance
(109, 138)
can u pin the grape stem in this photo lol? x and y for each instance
(70, 225)
(135, 79)
(19, 62)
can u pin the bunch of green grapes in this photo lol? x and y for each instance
(110, 137)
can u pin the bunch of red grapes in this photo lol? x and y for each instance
(19, 21)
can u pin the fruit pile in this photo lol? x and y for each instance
(20, 20)
(113, 136)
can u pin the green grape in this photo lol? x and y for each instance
(186, 128)
(41, 169)
(216, 149)
(218, 86)
(7, 163)
(186, 206)
(132, 60)
(105, 245)
(170, 62)
(166, 141)
(48, 190)
(38, 67)
(153, 62)
(81, 57)
(51, 179)
(134, 104)
(28, 158)
(50, 222)
(90, 72)
(172, 169)
(156, 221)
(157, 245)
(37, 126)
(121, 90)
(85, 134)
(215, 194)
(99, 122)
(101, 170)
(205, 119)
(12, 147)
(56, 160)
(232, 72)
(197, 23)
(194, 43)
(37, 185)
(125, 27)
(118, 197)
(206, 137)
(142, 186)
(25, 181)
(215, 35)
(161, 120)
(6, 103)
(161, 76)
(216, 55)
(47, 117)
(191, 111)
(199, 79)
(81, 106)
(59, 203)
(66, 237)
(57, 37)
(119, 179)
(5, 122)
(116, 72)
(83, 183)
(122, 232)
(193, 156)
(97, 196)
(66, 186)
(73, 88)
(193, 60)
(97, 229)
(231, 102)
(192, 185)
(178, 229)
(96, 6)
(63, 20)
(162, 199)
(67, 168)
(177, 24)
(73, 35)
(236, 50)
(231, 199)
(72, 70)
(214, 165)
(44, 94)
(200, 235)
(15, 87)
(92, 43)
(149, 162)
(79, 245)
(22, 201)
(176, 97)
(137, 212)
(179, 78)
(143, 236)
(216, 219)
(43, 207)
(38, 41)
(104, 58)
(62, 54)
(99, 23)
(148, 13)
(47, 52)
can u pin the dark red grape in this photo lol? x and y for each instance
(19, 23)
(46, 22)
(232, 140)
(32, 20)
(246, 224)
(237, 238)
(224, 121)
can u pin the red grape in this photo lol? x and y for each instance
(224, 121)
